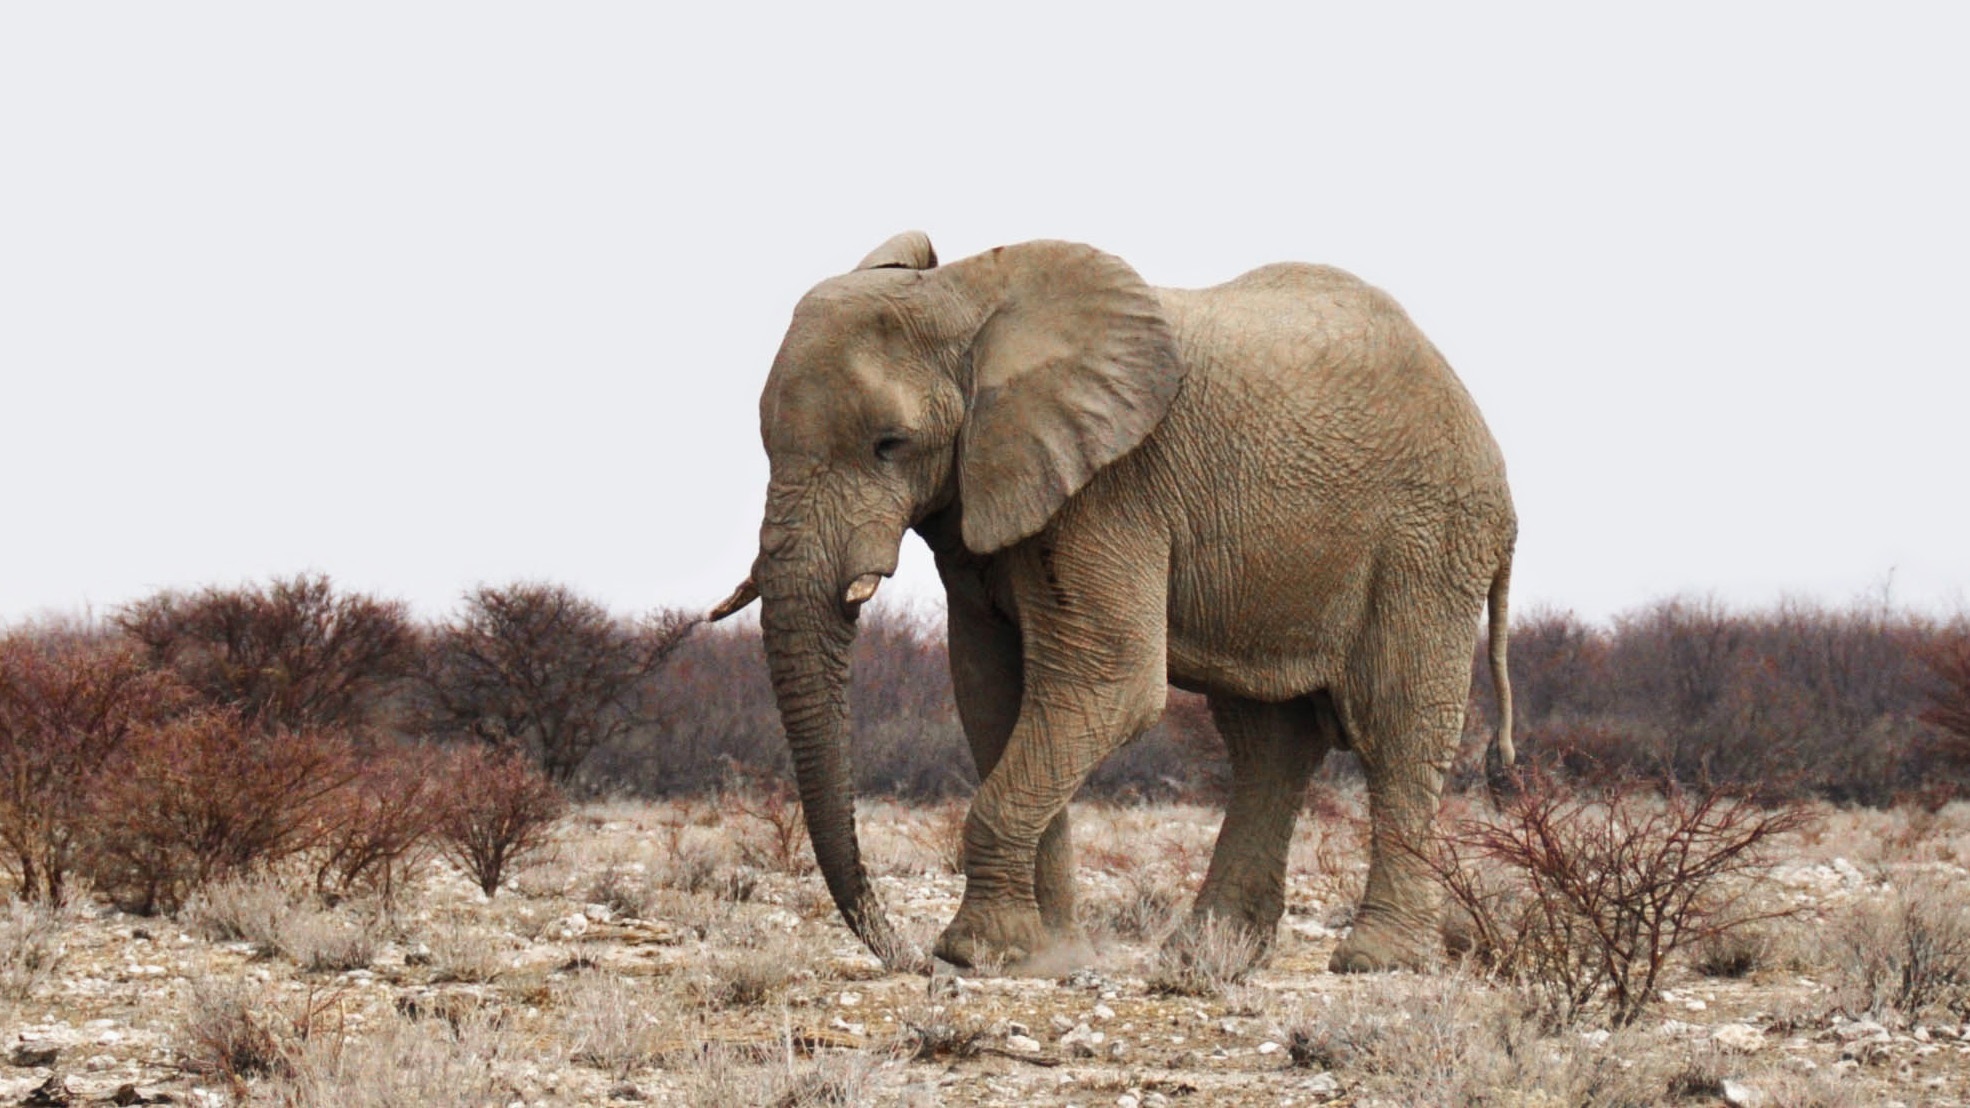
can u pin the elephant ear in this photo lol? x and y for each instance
(1072, 370)
(909, 250)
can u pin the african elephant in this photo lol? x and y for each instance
(1273, 492)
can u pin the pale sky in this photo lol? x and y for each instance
(422, 295)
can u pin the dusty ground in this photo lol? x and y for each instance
(664, 954)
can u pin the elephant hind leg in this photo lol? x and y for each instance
(1274, 748)
(1405, 724)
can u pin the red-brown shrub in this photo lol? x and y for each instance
(1949, 700)
(537, 668)
(204, 797)
(498, 807)
(378, 828)
(291, 656)
(68, 702)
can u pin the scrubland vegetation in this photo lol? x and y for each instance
(283, 844)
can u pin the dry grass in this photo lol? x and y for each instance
(610, 1026)
(1204, 958)
(450, 1063)
(1455, 1041)
(1908, 954)
(31, 947)
(285, 923)
(746, 978)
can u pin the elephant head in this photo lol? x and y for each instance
(995, 388)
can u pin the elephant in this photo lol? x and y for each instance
(1273, 492)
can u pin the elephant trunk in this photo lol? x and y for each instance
(808, 635)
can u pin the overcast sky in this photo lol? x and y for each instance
(424, 295)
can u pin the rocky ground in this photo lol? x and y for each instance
(680, 954)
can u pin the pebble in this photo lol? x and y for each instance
(1268, 1048)
(1103, 1012)
(1022, 1044)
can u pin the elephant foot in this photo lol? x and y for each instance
(996, 937)
(1378, 947)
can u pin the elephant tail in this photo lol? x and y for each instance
(1501, 755)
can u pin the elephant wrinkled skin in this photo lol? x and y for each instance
(1273, 492)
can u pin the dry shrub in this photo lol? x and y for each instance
(937, 831)
(458, 953)
(498, 809)
(1908, 953)
(1948, 659)
(202, 798)
(68, 703)
(626, 888)
(1146, 905)
(745, 978)
(237, 1031)
(31, 947)
(773, 834)
(1736, 952)
(291, 656)
(1586, 898)
(247, 909)
(537, 668)
(376, 832)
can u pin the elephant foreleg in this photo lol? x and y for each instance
(986, 684)
(1095, 675)
(1274, 749)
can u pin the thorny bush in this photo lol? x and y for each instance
(1585, 897)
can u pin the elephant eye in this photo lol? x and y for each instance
(888, 446)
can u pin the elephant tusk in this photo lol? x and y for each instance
(861, 589)
(745, 594)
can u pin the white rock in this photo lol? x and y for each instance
(1850, 1031)
(1022, 1044)
(1695, 1005)
(1322, 1086)
(1127, 1101)
(1103, 1013)
(1740, 1037)
(1060, 1024)
(1082, 1042)
(849, 999)
(600, 913)
(1738, 1095)
(571, 927)
(1597, 1037)
(1268, 1048)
